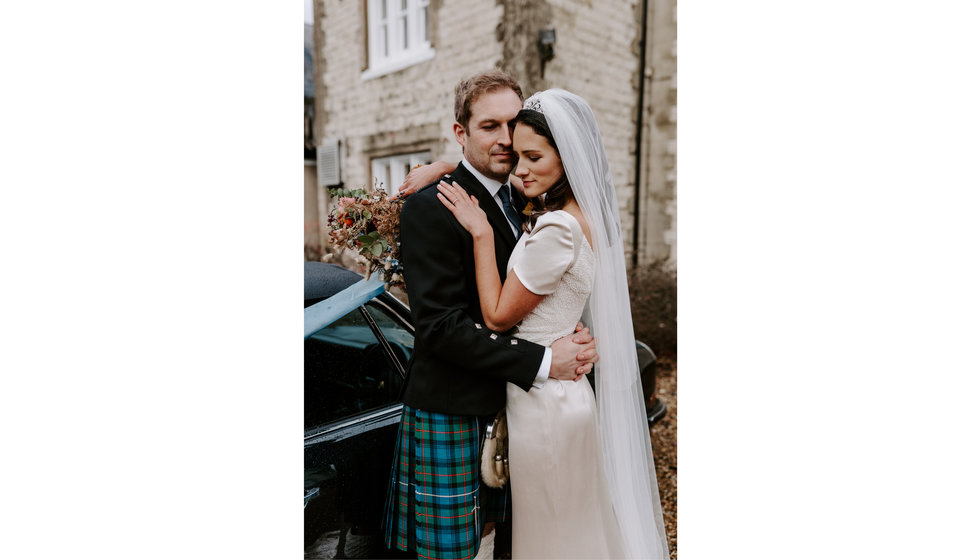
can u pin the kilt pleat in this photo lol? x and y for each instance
(436, 503)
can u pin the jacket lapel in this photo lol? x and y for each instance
(495, 216)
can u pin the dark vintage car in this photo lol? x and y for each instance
(358, 340)
(357, 344)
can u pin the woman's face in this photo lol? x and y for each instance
(538, 164)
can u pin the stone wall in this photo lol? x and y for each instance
(407, 110)
(311, 210)
(594, 59)
(658, 201)
(596, 55)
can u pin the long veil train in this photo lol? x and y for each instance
(622, 420)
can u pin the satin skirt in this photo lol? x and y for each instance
(559, 492)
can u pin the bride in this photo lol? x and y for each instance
(582, 475)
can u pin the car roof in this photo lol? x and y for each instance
(322, 280)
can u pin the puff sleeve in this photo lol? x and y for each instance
(548, 252)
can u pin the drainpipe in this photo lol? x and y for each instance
(639, 136)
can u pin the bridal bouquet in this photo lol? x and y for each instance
(369, 224)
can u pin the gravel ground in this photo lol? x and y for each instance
(663, 436)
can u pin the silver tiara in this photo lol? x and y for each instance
(533, 103)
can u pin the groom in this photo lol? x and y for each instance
(437, 506)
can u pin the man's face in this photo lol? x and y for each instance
(487, 145)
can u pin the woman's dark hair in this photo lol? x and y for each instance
(557, 195)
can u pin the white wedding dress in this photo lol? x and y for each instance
(561, 502)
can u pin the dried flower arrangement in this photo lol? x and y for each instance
(369, 224)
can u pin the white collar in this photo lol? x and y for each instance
(491, 185)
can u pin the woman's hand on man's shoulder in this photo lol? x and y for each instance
(422, 175)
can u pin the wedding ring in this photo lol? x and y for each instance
(455, 201)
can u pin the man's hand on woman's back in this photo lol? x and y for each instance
(572, 355)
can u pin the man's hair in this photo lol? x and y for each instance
(470, 89)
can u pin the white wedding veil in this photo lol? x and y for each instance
(623, 425)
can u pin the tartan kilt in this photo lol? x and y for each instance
(436, 503)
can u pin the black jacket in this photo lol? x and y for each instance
(458, 366)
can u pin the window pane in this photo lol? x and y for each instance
(386, 178)
(405, 32)
(384, 9)
(346, 371)
(392, 169)
(399, 169)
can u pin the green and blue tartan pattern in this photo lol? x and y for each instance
(451, 504)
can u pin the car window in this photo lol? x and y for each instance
(347, 371)
(401, 340)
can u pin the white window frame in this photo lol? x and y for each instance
(397, 35)
(390, 171)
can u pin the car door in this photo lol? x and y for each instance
(354, 370)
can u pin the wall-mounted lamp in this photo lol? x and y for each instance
(546, 46)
